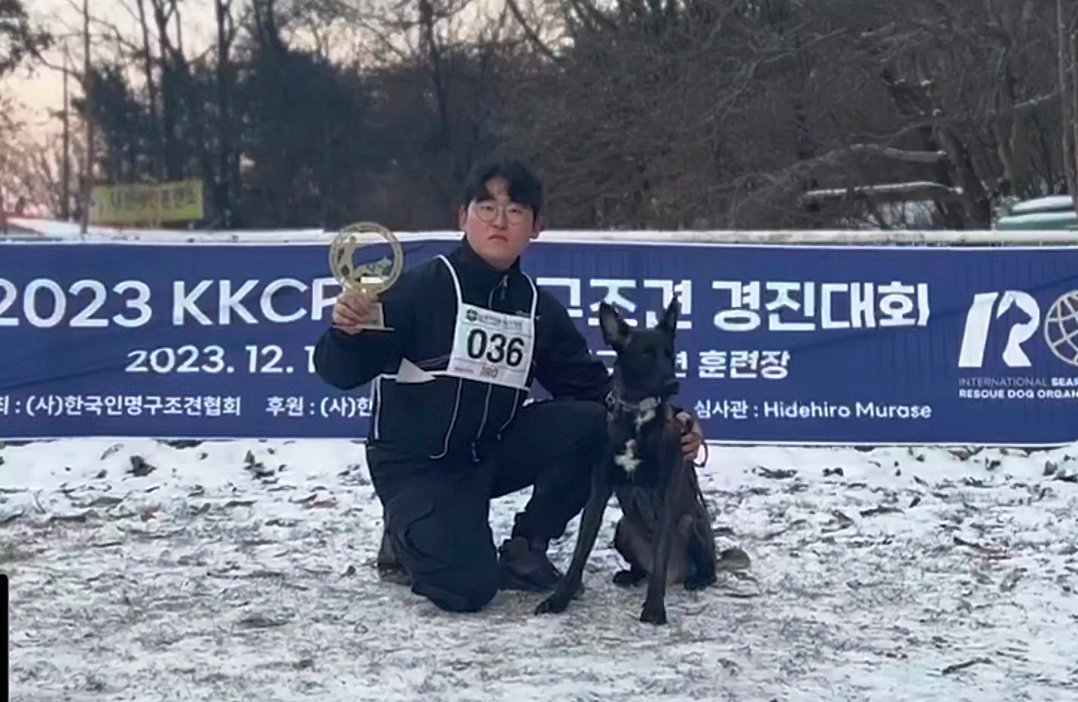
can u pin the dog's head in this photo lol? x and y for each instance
(645, 364)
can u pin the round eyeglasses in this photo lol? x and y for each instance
(514, 213)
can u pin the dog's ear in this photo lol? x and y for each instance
(615, 330)
(668, 323)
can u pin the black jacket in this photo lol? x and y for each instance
(448, 416)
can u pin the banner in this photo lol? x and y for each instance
(832, 345)
(147, 204)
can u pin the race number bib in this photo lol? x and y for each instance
(492, 347)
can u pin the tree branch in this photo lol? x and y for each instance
(887, 152)
(887, 192)
(530, 33)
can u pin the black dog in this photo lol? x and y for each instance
(656, 486)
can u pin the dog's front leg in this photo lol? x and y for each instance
(589, 531)
(654, 610)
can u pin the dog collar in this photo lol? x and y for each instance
(615, 403)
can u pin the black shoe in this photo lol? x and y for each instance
(389, 569)
(523, 565)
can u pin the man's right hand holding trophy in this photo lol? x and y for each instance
(353, 311)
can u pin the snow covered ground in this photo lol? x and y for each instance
(242, 571)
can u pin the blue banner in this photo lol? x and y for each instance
(812, 344)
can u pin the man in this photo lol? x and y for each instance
(470, 331)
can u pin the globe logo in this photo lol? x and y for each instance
(1061, 328)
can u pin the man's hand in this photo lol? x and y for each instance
(351, 310)
(692, 438)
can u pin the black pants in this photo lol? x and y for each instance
(437, 512)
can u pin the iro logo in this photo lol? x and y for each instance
(1060, 328)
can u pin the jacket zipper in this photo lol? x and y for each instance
(501, 289)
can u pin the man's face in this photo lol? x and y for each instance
(498, 229)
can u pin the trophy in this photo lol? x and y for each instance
(373, 272)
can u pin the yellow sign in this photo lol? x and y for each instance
(177, 201)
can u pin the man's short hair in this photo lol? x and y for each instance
(525, 188)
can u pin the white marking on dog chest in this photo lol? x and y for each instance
(645, 411)
(627, 459)
(644, 416)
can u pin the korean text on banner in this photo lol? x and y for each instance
(837, 345)
(145, 204)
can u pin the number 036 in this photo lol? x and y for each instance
(495, 348)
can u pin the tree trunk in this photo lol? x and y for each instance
(151, 92)
(169, 96)
(224, 195)
(87, 79)
(1074, 121)
(1066, 89)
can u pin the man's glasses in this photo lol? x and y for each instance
(514, 213)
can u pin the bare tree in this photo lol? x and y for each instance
(19, 39)
(640, 113)
(227, 185)
(1067, 63)
(88, 86)
(31, 166)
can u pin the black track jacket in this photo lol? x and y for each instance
(448, 416)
